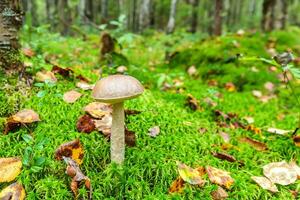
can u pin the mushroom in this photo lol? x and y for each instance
(115, 89)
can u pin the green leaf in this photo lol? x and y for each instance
(35, 169)
(39, 161)
(295, 72)
(41, 94)
(26, 157)
(39, 84)
(27, 138)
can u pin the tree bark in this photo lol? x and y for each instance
(144, 15)
(64, 16)
(171, 22)
(194, 18)
(284, 12)
(104, 10)
(218, 17)
(88, 10)
(10, 23)
(268, 15)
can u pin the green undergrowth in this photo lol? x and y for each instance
(150, 166)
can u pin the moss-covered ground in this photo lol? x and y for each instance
(150, 166)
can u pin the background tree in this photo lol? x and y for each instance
(218, 17)
(144, 16)
(10, 23)
(171, 22)
(194, 17)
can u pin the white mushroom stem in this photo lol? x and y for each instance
(117, 138)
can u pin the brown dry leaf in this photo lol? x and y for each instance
(253, 129)
(212, 82)
(254, 143)
(224, 156)
(98, 110)
(132, 112)
(225, 136)
(71, 96)
(294, 193)
(71, 149)
(45, 76)
(104, 125)
(26, 116)
(278, 131)
(67, 72)
(28, 52)
(192, 102)
(297, 140)
(265, 183)
(219, 177)
(10, 168)
(280, 172)
(154, 131)
(11, 125)
(14, 191)
(82, 78)
(190, 175)
(129, 138)
(85, 124)
(219, 194)
(77, 176)
(84, 85)
(177, 185)
(192, 71)
(202, 130)
(230, 87)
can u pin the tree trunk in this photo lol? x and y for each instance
(64, 16)
(144, 15)
(104, 10)
(171, 22)
(194, 18)
(268, 15)
(10, 23)
(88, 10)
(218, 17)
(284, 12)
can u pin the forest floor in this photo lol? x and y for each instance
(150, 166)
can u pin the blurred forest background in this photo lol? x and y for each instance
(212, 17)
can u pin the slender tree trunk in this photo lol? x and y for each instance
(144, 15)
(194, 18)
(104, 10)
(64, 17)
(266, 22)
(218, 17)
(284, 13)
(88, 10)
(10, 23)
(171, 22)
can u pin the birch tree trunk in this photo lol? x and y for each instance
(171, 22)
(218, 17)
(144, 15)
(10, 23)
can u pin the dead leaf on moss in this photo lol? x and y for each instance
(190, 175)
(10, 168)
(230, 87)
(154, 131)
(65, 72)
(192, 102)
(28, 52)
(296, 140)
(254, 143)
(104, 125)
(98, 110)
(82, 78)
(177, 185)
(278, 131)
(265, 183)
(129, 138)
(121, 69)
(85, 124)
(26, 116)
(225, 136)
(71, 96)
(131, 112)
(219, 194)
(72, 149)
(296, 168)
(224, 156)
(45, 76)
(219, 177)
(192, 71)
(280, 172)
(84, 85)
(14, 191)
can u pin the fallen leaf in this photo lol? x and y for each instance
(278, 131)
(252, 128)
(84, 85)
(269, 86)
(190, 175)
(26, 116)
(98, 110)
(265, 183)
(210, 102)
(224, 156)
(71, 96)
(192, 102)
(11, 125)
(154, 131)
(202, 130)
(177, 185)
(192, 71)
(72, 149)
(254, 143)
(257, 93)
(212, 82)
(85, 124)
(104, 125)
(14, 191)
(280, 172)
(230, 87)
(65, 72)
(219, 194)
(294, 193)
(225, 136)
(82, 78)
(131, 112)
(219, 177)
(129, 138)
(28, 52)
(10, 168)
(121, 69)
(77, 176)
(296, 168)
(45, 76)
(249, 120)
(296, 140)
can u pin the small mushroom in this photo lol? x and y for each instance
(115, 90)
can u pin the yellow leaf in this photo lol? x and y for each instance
(10, 168)
(14, 191)
(45, 76)
(219, 177)
(72, 150)
(98, 110)
(190, 175)
(26, 116)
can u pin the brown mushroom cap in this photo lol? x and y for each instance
(117, 88)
